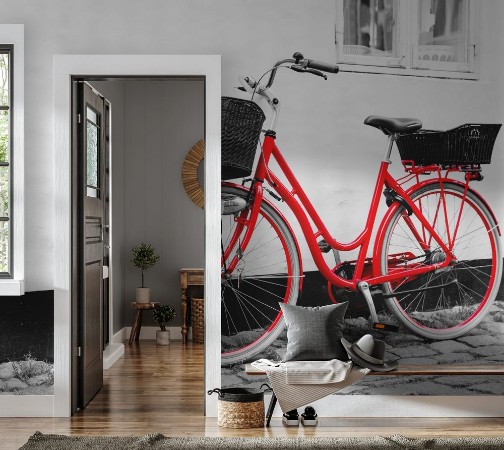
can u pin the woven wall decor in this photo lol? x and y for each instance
(190, 173)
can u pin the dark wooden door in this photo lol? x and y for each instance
(92, 145)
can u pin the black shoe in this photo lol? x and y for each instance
(309, 417)
(291, 418)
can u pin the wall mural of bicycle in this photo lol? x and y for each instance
(428, 285)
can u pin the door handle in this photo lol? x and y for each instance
(102, 231)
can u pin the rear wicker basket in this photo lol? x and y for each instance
(242, 122)
(466, 144)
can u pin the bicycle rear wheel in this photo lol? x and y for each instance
(266, 273)
(449, 302)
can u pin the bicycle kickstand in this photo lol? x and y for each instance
(364, 288)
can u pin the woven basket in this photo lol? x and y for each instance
(240, 407)
(240, 415)
(198, 319)
(466, 144)
(241, 124)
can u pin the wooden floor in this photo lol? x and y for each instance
(160, 389)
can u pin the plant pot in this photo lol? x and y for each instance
(163, 337)
(143, 295)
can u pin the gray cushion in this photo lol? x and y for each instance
(314, 333)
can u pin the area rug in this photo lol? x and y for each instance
(157, 441)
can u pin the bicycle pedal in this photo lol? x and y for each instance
(324, 246)
(385, 327)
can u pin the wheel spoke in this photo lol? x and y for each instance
(265, 274)
(463, 291)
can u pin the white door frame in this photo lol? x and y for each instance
(132, 65)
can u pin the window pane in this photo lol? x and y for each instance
(4, 135)
(4, 246)
(369, 28)
(92, 150)
(4, 79)
(4, 192)
(443, 30)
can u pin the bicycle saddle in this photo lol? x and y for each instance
(390, 126)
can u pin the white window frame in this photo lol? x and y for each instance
(14, 285)
(406, 62)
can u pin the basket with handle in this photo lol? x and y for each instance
(241, 124)
(463, 145)
(240, 407)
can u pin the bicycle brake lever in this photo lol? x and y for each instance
(317, 72)
(298, 68)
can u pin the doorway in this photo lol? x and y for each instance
(138, 66)
(155, 122)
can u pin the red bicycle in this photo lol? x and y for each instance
(436, 258)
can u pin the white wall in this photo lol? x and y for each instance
(319, 117)
(250, 35)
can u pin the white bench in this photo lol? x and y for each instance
(407, 370)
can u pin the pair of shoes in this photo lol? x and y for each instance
(291, 418)
(309, 417)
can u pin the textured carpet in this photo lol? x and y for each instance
(41, 441)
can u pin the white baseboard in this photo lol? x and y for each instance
(115, 349)
(120, 336)
(111, 354)
(26, 405)
(149, 333)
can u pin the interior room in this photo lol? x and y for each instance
(116, 140)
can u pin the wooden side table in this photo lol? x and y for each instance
(137, 321)
(188, 277)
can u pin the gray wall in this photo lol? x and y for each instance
(154, 125)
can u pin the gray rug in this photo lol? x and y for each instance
(41, 441)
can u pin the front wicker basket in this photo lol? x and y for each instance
(198, 319)
(241, 124)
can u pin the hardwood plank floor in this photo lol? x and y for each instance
(160, 389)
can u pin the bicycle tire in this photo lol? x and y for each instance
(453, 310)
(268, 273)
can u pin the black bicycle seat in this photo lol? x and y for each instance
(390, 125)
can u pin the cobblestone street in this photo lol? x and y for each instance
(483, 345)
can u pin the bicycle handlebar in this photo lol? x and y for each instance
(324, 67)
(300, 61)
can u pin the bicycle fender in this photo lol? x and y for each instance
(245, 189)
(476, 193)
(392, 209)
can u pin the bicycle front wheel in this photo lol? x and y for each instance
(266, 273)
(449, 302)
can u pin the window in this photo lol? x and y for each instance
(11, 159)
(6, 111)
(409, 37)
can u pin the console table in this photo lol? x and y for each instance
(189, 277)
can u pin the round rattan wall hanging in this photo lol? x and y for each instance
(190, 179)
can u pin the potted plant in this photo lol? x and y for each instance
(163, 314)
(144, 257)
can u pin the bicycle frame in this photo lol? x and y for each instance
(304, 210)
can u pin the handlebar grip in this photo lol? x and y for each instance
(324, 67)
